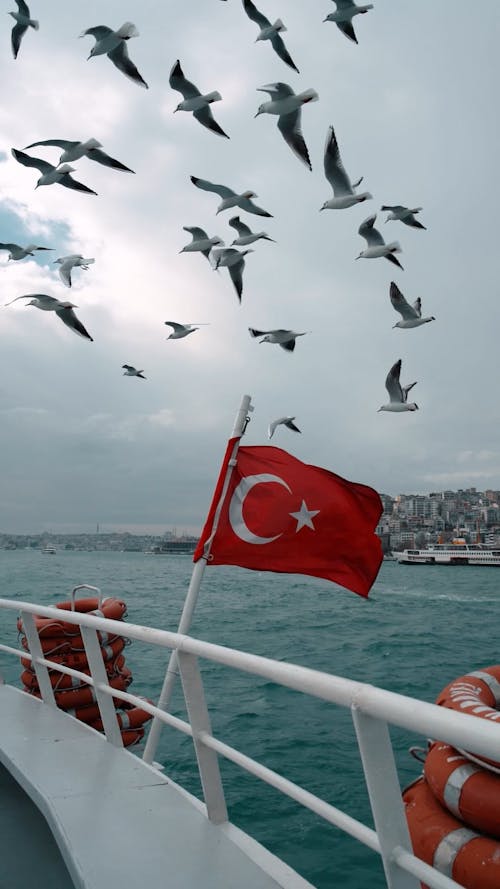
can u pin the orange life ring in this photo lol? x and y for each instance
(466, 790)
(127, 719)
(78, 659)
(132, 737)
(81, 697)
(112, 608)
(49, 646)
(478, 694)
(445, 843)
(62, 680)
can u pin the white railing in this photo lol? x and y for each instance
(373, 710)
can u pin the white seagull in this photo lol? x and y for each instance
(245, 235)
(73, 151)
(404, 214)
(50, 174)
(411, 315)
(234, 261)
(343, 191)
(132, 372)
(179, 331)
(201, 243)
(344, 14)
(270, 32)
(230, 198)
(398, 394)
(284, 338)
(63, 310)
(376, 244)
(67, 263)
(16, 252)
(283, 421)
(113, 44)
(287, 105)
(194, 101)
(23, 22)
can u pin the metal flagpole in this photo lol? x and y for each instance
(240, 423)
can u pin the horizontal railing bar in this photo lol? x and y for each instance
(423, 871)
(16, 651)
(165, 717)
(68, 671)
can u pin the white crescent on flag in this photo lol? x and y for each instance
(236, 519)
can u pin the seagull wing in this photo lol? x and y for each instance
(16, 36)
(121, 59)
(59, 143)
(348, 30)
(68, 182)
(206, 118)
(23, 8)
(178, 82)
(95, 154)
(395, 208)
(290, 424)
(236, 274)
(417, 306)
(334, 169)
(407, 388)
(280, 49)
(289, 127)
(68, 317)
(254, 14)
(176, 327)
(401, 305)
(99, 31)
(240, 226)
(288, 345)
(221, 190)
(248, 205)
(372, 236)
(278, 90)
(65, 272)
(28, 161)
(10, 247)
(393, 385)
(199, 234)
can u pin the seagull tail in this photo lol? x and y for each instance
(213, 97)
(309, 95)
(254, 332)
(279, 26)
(394, 247)
(34, 24)
(127, 31)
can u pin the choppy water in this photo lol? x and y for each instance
(421, 627)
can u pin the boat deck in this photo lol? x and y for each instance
(115, 820)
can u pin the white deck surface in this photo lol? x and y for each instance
(118, 822)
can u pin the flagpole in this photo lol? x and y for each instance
(151, 746)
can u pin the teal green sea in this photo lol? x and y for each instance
(420, 628)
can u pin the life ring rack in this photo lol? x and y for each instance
(109, 607)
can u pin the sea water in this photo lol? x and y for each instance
(421, 627)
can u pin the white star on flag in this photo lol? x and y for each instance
(304, 517)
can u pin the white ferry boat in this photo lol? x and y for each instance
(48, 550)
(458, 552)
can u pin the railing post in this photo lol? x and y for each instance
(35, 648)
(99, 675)
(382, 782)
(199, 718)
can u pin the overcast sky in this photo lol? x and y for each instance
(415, 110)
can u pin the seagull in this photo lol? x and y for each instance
(285, 103)
(343, 15)
(343, 191)
(201, 243)
(179, 331)
(67, 263)
(398, 394)
(411, 315)
(404, 214)
(22, 17)
(73, 151)
(283, 421)
(245, 235)
(270, 32)
(50, 174)
(230, 198)
(194, 101)
(16, 252)
(284, 338)
(113, 44)
(63, 310)
(132, 372)
(234, 261)
(376, 244)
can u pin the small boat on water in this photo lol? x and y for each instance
(48, 550)
(458, 552)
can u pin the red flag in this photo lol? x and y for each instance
(279, 514)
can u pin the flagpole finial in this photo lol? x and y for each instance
(242, 417)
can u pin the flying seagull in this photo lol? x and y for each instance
(73, 151)
(270, 32)
(68, 263)
(179, 331)
(113, 44)
(63, 310)
(398, 394)
(200, 243)
(344, 194)
(23, 22)
(284, 338)
(344, 14)
(132, 372)
(411, 315)
(376, 244)
(194, 101)
(16, 252)
(234, 261)
(287, 105)
(245, 235)
(230, 198)
(50, 174)
(283, 421)
(404, 214)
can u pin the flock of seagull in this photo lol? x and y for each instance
(283, 104)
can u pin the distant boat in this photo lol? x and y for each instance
(49, 549)
(458, 552)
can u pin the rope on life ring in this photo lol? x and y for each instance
(476, 693)
(48, 627)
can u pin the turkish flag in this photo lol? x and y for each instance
(279, 514)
